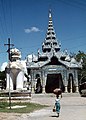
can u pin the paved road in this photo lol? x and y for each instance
(73, 107)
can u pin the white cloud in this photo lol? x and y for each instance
(32, 29)
(3, 66)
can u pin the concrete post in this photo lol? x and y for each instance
(66, 89)
(71, 86)
(77, 90)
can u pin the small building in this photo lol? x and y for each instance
(52, 68)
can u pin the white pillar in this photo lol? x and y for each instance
(71, 86)
(43, 90)
(77, 90)
(7, 82)
(19, 81)
(65, 81)
(76, 81)
(66, 89)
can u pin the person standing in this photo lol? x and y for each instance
(57, 105)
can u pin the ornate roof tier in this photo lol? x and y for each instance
(50, 41)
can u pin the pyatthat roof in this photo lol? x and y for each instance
(68, 63)
(51, 49)
(71, 64)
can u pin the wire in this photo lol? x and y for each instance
(74, 3)
(2, 28)
(80, 3)
(4, 16)
(11, 19)
(76, 47)
(73, 38)
(73, 47)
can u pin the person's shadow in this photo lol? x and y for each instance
(54, 116)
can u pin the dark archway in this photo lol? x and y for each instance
(38, 86)
(71, 84)
(54, 81)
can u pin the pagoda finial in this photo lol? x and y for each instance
(51, 42)
(50, 13)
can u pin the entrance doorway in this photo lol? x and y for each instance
(53, 81)
(71, 85)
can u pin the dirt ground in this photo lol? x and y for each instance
(73, 107)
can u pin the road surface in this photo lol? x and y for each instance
(73, 107)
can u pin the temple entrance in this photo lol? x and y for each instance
(53, 81)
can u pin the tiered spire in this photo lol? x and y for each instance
(50, 42)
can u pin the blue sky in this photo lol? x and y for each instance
(26, 21)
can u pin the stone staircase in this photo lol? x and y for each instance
(15, 95)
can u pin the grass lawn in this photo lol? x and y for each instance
(29, 107)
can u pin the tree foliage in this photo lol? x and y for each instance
(82, 72)
(2, 75)
(2, 80)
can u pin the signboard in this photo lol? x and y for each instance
(54, 68)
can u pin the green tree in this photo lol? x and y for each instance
(2, 79)
(82, 72)
(2, 75)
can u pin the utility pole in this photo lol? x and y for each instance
(9, 58)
